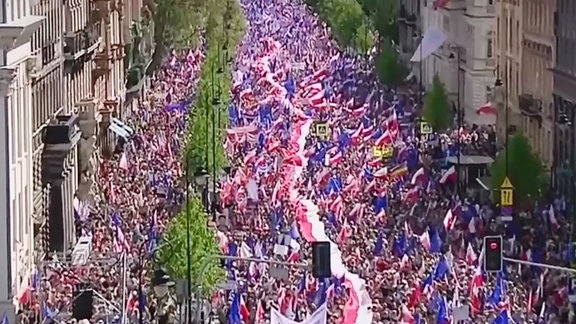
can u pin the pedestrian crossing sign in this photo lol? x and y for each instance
(425, 128)
(322, 131)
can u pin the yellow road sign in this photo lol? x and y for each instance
(506, 197)
(506, 193)
(387, 151)
(506, 183)
(377, 152)
(425, 128)
(322, 131)
(382, 152)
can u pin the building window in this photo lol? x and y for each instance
(489, 47)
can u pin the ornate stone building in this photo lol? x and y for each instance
(537, 81)
(17, 24)
(564, 153)
(509, 59)
(62, 86)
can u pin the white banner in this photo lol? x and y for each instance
(430, 43)
(319, 317)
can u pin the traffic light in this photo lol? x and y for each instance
(493, 261)
(321, 267)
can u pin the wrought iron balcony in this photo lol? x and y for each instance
(74, 45)
(530, 106)
(102, 63)
(59, 138)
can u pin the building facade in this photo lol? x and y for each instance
(17, 24)
(509, 59)
(409, 27)
(465, 63)
(564, 160)
(537, 81)
(61, 85)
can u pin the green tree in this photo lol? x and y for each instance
(223, 32)
(365, 38)
(347, 22)
(384, 17)
(437, 111)
(202, 244)
(388, 67)
(525, 170)
(179, 23)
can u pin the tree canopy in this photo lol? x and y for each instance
(347, 22)
(383, 15)
(222, 34)
(437, 111)
(388, 67)
(525, 170)
(180, 23)
(202, 244)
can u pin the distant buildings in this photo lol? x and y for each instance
(465, 63)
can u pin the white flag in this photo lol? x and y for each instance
(319, 317)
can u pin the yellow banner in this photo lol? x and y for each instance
(382, 152)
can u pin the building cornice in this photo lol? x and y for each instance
(18, 32)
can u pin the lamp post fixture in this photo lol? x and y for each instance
(159, 277)
(418, 37)
(460, 113)
(161, 284)
(501, 98)
(200, 180)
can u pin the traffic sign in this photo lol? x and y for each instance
(506, 183)
(425, 128)
(322, 130)
(387, 151)
(377, 152)
(506, 193)
(382, 152)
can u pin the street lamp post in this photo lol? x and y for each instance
(160, 276)
(161, 284)
(200, 179)
(459, 117)
(418, 37)
(501, 96)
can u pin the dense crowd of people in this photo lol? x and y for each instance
(139, 195)
(404, 247)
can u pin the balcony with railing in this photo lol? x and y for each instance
(530, 107)
(74, 45)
